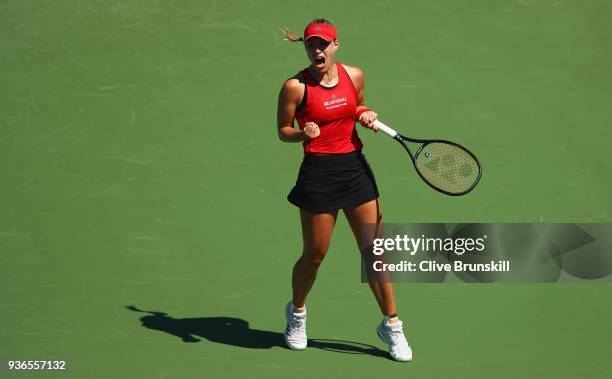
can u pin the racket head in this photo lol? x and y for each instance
(447, 167)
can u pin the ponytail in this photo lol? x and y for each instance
(290, 35)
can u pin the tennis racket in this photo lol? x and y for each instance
(445, 166)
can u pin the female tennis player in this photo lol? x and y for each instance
(327, 98)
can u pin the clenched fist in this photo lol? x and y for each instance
(311, 130)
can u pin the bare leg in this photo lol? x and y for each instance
(370, 213)
(316, 232)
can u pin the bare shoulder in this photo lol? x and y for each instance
(356, 75)
(354, 72)
(293, 88)
(294, 83)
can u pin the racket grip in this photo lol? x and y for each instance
(385, 129)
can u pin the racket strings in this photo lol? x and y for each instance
(447, 167)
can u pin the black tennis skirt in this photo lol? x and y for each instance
(328, 183)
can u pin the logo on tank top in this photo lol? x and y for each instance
(335, 102)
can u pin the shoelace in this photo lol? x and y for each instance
(296, 326)
(396, 336)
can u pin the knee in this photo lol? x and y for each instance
(314, 257)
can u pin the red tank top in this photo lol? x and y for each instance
(333, 109)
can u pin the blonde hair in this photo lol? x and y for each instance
(291, 36)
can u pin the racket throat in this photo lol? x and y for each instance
(399, 139)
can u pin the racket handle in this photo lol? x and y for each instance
(385, 129)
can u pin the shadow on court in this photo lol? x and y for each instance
(236, 332)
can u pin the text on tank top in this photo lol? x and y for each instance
(333, 110)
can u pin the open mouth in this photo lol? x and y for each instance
(319, 60)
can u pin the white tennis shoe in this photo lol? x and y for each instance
(393, 335)
(295, 332)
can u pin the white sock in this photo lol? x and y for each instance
(388, 320)
(297, 310)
